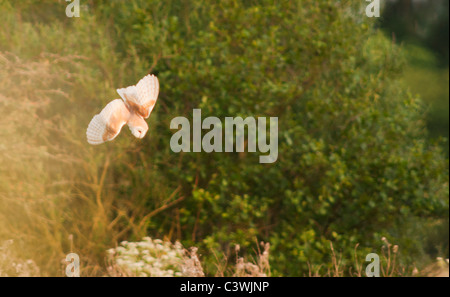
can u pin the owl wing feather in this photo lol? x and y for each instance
(106, 125)
(129, 94)
(142, 97)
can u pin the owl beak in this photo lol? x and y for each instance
(141, 135)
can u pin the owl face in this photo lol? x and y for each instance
(138, 126)
(139, 132)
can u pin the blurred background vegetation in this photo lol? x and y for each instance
(422, 28)
(360, 114)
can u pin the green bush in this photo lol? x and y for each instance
(354, 164)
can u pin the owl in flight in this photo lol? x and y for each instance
(136, 105)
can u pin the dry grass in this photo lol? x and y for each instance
(12, 266)
(389, 265)
(438, 269)
(52, 190)
(29, 199)
(55, 191)
(257, 268)
(191, 266)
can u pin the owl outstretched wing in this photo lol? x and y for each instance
(106, 125)
(142, 97)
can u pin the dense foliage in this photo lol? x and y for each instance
(354, 164)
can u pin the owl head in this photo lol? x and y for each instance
(138, 126)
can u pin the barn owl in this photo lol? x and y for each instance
(136, 105)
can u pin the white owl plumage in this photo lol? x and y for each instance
(136, 105)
